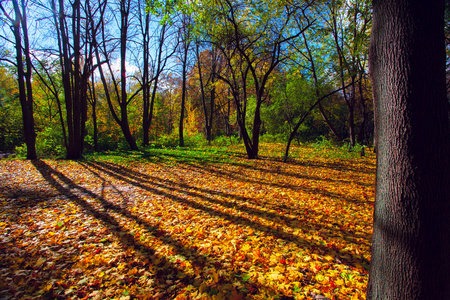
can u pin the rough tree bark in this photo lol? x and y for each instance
(411, 238)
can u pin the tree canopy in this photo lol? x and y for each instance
(117, 63)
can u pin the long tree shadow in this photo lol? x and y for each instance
(363, 166)
(283, 183)
(168, 269)
(211, 166)
(317, 165)
(25, 266)
(21, 197)
(30, 259)
(311, 190)
(136, 179)
(265, 210)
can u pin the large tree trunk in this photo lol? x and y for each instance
(411, 238)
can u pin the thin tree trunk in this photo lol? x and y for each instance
(183, 94)
(25, 89)
(124, 125)
(212, 97)
(351, 113)
(66, 71)
(329, 124)
(257, 125)
(316, 84)
(227, 118)
(30, 124)
(145, 81)
(94, 113)
(342, 63)
(78, 89)
(160, 65)
(56, 20)
(203, 96)
(362, 128)
(303, 118)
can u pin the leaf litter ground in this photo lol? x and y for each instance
(165, 227)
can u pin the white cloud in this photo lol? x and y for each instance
(129, 68)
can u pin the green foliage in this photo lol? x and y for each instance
(226, 140)
(123, 145)
(10, 128)
(10, 112)
(21, 151)
(323, 143)
(172, 141)
(291, 97)
(108, 140)
(197, 140)
(357, 148)
(88, 143)
(167, 141)
(49, 143)
(328, 148)
(273, 138)
(168, 155)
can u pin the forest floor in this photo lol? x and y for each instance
(187, 224)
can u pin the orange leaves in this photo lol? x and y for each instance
(235, 230)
